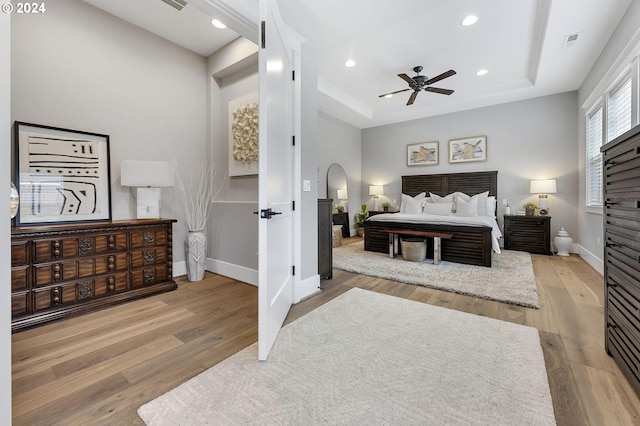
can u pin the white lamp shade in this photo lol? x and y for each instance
(376, 190)
(342, 194)
(154, 174)
(547, 186)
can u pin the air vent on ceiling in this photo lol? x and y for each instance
(570, 40)
(176, 4)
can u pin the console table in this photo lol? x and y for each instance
(59, 271)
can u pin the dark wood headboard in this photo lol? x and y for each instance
(471, 183)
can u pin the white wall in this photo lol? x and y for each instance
(339, 142)
(590, 223)
(5, 234)
(80, 68)
(531, 139)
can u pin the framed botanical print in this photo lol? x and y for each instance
(423, 154)
(62, 175)
(468, 149)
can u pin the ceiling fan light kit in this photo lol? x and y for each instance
(419, 82)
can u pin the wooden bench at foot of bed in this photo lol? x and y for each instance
(469, 244)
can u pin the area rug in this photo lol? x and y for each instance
(366, 358)
(510, 278)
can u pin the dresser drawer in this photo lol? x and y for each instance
(19, 303)
(151, 256)
(146, 276)
(111, 284)
(45, 298)
(148, 238)
(49, 273)
(20, 253)
(20, 278)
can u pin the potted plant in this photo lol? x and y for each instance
(385, 206)
(340, 209)
(361, 216)
(529, 208)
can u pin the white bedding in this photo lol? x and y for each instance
(448, 220)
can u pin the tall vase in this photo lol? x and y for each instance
(195, 248)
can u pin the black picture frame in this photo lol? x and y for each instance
(62, 175)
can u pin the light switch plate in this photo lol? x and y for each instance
(306, 185)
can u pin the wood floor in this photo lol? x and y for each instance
(99, 368)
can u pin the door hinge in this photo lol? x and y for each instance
(293, 75)
(293, 140)
(293, 205)
(293, 270)
(263, 37)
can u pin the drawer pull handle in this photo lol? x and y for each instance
(609, 203)
(637, 150)
(612, 325)
(637, 203)
(56, 295)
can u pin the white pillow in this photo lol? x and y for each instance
(441, 209)
(407, 200)
(491, 206)
(451, 198)
(467, 208)
(482, 202)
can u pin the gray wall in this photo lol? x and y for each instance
(590, 229)
(339, 142)
(5, 235)
(111, 77)
(531, 139)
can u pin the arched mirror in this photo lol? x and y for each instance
(337, 187)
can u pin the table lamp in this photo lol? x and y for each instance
(148, 177)
(542, 188)
(376, 191)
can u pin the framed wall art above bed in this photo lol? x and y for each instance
(469, 149)
(62, 175)
(423, 154)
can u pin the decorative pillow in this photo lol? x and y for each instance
(442, 209)
(482, 202)
(467, 208)
(413, 203)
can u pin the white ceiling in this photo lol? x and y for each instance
(519, 42)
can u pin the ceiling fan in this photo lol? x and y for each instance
(420, 82)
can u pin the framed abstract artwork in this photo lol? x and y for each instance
(62, 175)
(423, 154)
(468, 149)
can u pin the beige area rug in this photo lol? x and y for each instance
(366, 358)
(510, 278)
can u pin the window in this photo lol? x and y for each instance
(594, 158)
(619, 110)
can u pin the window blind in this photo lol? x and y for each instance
(619, 110)
(594, 158)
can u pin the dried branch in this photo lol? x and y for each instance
(198, 201)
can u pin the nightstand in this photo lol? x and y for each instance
(528, 233)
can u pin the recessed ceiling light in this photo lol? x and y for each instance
(218, 24)
(469, 20)
(350, 63)
(481, 72)
(388, 95)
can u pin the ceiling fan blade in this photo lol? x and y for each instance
(440, 77)
(412, 97)
(393, 93)
(406, 78)
(438, 90)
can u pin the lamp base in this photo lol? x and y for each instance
(148, 203)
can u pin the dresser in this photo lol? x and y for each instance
(528, 233)
(60, 271)
(621, 199)
(325, 238)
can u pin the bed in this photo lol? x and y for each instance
(472, 243)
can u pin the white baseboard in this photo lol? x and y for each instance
(306, 288)
(591, 259)
(240, 273)
(179, 268)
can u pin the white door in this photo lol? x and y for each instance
(275, 276)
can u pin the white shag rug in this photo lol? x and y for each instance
(510, 278)
(366, 358)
